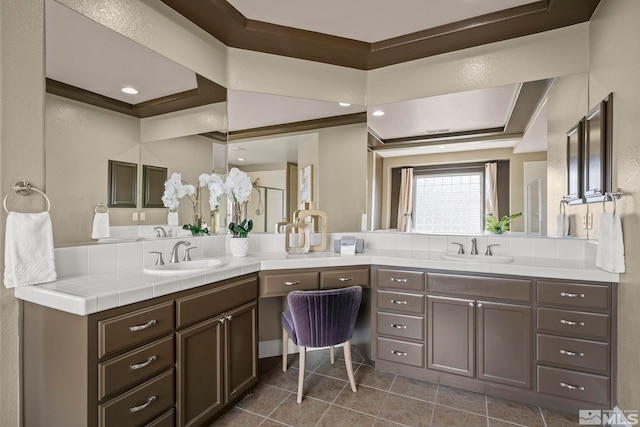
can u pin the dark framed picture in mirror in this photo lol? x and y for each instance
(123, 183)
(153, 179)
(575, 147)
(594, 152)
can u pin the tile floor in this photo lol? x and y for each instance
(382, 400)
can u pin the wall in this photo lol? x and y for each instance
(516, 167)
(342, 176)
(21, 157)
(615, 67)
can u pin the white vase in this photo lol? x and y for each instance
(239, 246)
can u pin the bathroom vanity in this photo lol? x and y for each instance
(165, 350)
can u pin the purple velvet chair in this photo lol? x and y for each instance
(320, 319)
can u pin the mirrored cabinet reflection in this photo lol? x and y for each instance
(589, 155)
(123, 183)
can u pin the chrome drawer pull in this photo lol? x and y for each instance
(292, 283)
(399, 353)
(571, 353)
(394, 279)
(393, 325)
(145, 405)
(571, 323)
(345, 279)
(572, 387)
(570, 295)
(149, 324)
(395, 301)
(143, 364)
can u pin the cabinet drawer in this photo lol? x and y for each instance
(215, 301)
(398, 301)
(165, 420)
(128, 329)
(343, 278)
(280, 284)
(400, 279)
(401, 352)
(135, 366)
(574, 295)
(481, 287)
(574, 323)
(574, 385)
(574, 353)
(401, 326)
(140, 405)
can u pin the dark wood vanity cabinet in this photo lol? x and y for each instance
(172, 360)
(541, 341)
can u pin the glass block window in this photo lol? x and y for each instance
(448, 203)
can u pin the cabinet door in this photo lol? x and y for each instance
(199, 372)
(451, 336)
(241, 357)
(504, 343)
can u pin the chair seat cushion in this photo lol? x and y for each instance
(287, 324)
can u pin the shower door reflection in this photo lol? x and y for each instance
(266, 208)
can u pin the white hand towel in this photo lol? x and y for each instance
(100, 225)
(172, 218)
(28, 252)
(610, 252)
(563, 225)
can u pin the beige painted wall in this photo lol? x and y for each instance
(516, 174)
(21, 157)
(615, 67)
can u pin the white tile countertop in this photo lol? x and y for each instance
(84, 294)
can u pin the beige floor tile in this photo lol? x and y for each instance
(368, 376)
(366, 399)
(462, 399)
(514, 412)
(237, 417)
(305, 414)
(422, 390)
(407, 411)
(448, 417)
(559, 419)
(323, 388)
(264, 399)
(337, 416)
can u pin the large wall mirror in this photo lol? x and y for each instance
(177, 121)
(521, 127)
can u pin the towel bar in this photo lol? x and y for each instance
(24, 188)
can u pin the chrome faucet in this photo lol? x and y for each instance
(175, 250)
(160, 231)
(474, 246)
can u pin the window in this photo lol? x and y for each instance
(449, 202)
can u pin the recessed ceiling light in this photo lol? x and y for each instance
(378, 113)
(241, 159)
(129, 90)
(344, 104)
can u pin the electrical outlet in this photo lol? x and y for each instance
(135, 216)
(584, 221)
(143, 216)
(589, 221)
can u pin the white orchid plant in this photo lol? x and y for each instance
(238, 188)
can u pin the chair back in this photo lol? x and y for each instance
(324, 318)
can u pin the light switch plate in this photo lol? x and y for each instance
(134, 216)
(589, 221)
(143, 216)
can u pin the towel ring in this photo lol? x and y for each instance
(24, 188)
(101, 205)
(613, 199)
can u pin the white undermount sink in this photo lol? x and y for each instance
(477, 258)
(184, 267)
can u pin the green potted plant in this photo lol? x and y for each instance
(500, 226)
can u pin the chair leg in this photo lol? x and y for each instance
(285, 349)
(301, 367)
(347, 361)
(332, 354)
